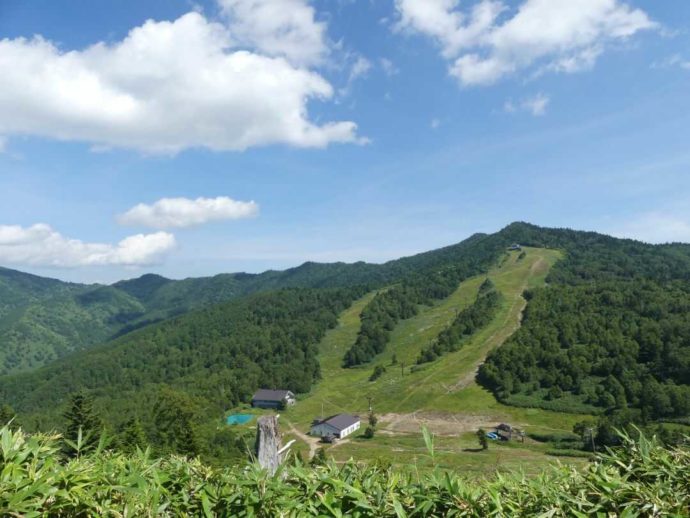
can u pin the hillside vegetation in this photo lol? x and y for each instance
(604, 332)
(609, 333)
(402, 301)
(42, 320)
(211, 359)
(441, 394)
(642, 479)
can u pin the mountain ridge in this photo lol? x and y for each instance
(39, 316)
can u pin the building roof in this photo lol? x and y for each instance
(340, 421)
(271, 395)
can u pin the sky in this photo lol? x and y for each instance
(193, 138)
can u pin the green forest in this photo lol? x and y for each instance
(609, 333)
(608, 345)
(197, 365)
(42, 320)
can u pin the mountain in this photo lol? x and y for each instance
(42, 320)
(607, 334)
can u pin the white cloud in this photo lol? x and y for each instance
(183, 212)
(535, 105)
(359, 69)
(656, 227)
(675, 60)
(166, 87)
(278, 28)
(3, 144)
(40, 245)
(388, 67)
(483, 45)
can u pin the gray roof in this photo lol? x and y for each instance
(271, 395)
(341, 421)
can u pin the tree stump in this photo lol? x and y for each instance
(268, 443)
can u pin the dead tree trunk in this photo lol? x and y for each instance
(268, 448)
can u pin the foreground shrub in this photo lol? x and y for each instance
(640, 479)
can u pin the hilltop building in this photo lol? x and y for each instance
(264, 398)
(338, 426)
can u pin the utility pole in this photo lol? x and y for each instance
(370, 399)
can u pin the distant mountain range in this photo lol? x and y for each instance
(44, 319)
(610, 330)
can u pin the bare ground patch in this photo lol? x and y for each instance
(439, 423)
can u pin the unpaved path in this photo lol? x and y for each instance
(312, 442)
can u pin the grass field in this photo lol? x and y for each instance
(442, 395)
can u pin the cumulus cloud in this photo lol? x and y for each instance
(41, 245)
(183, 212)
(278, 28)
(535, 105)
(167, 86)
(491, 41)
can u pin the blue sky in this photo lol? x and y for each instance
(465, 121)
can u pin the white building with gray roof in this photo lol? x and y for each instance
(339, 426)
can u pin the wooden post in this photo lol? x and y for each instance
(268, 443)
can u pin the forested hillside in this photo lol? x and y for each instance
(468, 321)
(42, 319)
(610, 332)
(221, 354)
(402, 300)
(194, 366)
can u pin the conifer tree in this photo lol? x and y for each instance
(132, 436)
(175, 418)
(81, 415)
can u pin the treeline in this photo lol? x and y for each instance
(642, 478)
(608, 345)
(596, 257)
(401, 302)
(211, 360)
(469, 321)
